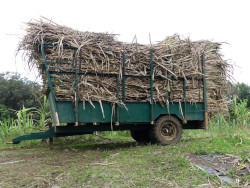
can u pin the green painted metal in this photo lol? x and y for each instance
(204, 83)
(62, 131)
(62, 83)
(88, 129)
(117, 87)
(53, 110)
(58, 62)
(41, 135)
(169, 92)
(118, 96)
(63, 87)
(184, 95)
(49, 66)
(64, 93)
(151, 86)
(114, 75)
(62, 79)
(53, 101)
(55, 46)
(136, 115)
(123, 76)
(76, 88)
(137, 112)
(83, 74)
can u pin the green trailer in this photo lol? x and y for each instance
(147, 121)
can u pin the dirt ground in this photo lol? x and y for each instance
(39, 166)
(113, 163)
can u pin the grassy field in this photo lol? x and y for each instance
(115, 160)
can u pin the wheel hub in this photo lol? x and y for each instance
(168, 131)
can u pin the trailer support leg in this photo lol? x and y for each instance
(205, 124)
(50, 139)
(51, 143)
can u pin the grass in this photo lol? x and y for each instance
(25, 122)
(115, 160)
(91, 161)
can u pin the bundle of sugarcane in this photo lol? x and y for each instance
(102, 53)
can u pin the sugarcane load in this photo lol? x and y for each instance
(97, 83)
(102, 53)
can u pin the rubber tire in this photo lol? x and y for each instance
(140, 136)
(155, 133)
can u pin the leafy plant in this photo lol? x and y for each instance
(242, 91)
(43, 112)
(4, 112)
(239, 113)
(238, 116)
(25, 121)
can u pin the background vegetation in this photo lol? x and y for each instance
(24, 109)
(16, 92)
(102, 158)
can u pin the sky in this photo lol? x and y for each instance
(217, 20)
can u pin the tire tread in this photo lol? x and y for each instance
(154, 135)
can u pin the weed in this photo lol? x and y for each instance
(25, 122)
(43, 112)
(232, 173)
(105, 154)
(242, 163)
(201, 151)
(246, 178)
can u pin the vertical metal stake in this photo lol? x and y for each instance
(123, 76)
(118, 96)
(76, 87)
(151, 86)
(48, 76)
(205, 124)
(184, 95)
(168, 75)
(53, 100)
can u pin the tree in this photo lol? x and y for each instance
(5, 113)
(16, 92)
(242, 91)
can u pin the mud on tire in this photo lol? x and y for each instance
(167, 130)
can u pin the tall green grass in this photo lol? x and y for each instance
(27, 120)
(43, 112)
(237, 117)
(23, 124)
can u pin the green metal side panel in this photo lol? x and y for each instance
(137, 112)
(194, 111)
(65, 111)
(41, 135)
(52, 108)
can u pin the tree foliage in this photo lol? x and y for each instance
(16, 92)
(4, 112)
(242, 91)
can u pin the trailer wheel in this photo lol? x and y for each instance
(140, 136)
(167, 130)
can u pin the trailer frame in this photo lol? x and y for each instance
(131, 116)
